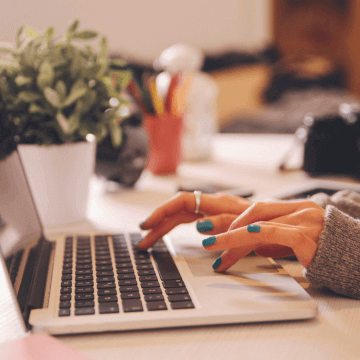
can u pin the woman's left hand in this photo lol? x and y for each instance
(272, 229)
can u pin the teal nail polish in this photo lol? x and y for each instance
(217, 263)
(209, 241)
(142, 224)
(204, 226)
(253, 228)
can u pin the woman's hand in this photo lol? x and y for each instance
(220, 209)
(271, 229)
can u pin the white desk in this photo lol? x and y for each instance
(241, 160)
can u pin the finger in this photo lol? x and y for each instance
(164, 227)
(218, 224)
(211, 204)
(230, 257)
(266, 233)
(264, 211)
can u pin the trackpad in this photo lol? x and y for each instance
(200, 263)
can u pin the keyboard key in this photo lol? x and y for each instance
(182, 305)
(130, 288)
(123, 265)
(179, 297)
(84, 283)
(149, 284)
(108, 298)
(173, 291)
(87, 289)
(125, 271)
(108, 308)
(127, 282)
(67, 271)
(156, 305)
(124, 259)
(100, 279)
(84, 296)
(126, 276)
(146, 272)
(106, 285)
(173, 284)
(84, 303)
(133, 305)
(142, 261)
(65, 290)
(84, 272)
(155, 290)
(105, 273)
(141, 255)
(66, 283)
(103, 262)
(66, 277)
(83, 261)
(64, 312)
(83, 277)
(83, 266)
(148, 278)
(166, 266)
(111, 291)
(144, 267)
(130, 295)
(65, 297)
(65, 304)
(85, 311)
(154, 297)
(104, 267)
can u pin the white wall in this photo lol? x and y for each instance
(143, 28)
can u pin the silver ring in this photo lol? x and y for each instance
(197, 194)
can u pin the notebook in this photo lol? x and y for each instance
(97, 282)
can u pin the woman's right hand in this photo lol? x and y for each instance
(220, 209)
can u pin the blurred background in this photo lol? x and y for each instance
(273, 60)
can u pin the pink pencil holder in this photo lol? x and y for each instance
(165, 142)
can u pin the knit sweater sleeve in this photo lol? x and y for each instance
(336, 264)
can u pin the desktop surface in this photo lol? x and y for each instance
(242, 160)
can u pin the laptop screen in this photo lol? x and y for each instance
(20, 225)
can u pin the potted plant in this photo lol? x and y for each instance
(60, 93)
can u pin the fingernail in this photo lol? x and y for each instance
(142, 225)
(253, 228)
(216, 263)
(209, 241)
(204, 226)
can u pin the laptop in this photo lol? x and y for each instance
(97, 282)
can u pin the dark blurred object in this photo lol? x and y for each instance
(125, 164)
(331, 143)
(231, 59)
(301, 73)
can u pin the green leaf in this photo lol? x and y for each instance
(73, 27)
(74, 123)
(52, 97)
(74, 95)
(46, 75)
(28, 96)
(86, 103)
(63, 121)
(86, 35)
(18, 40)
(60, 88)
(21, 80)
(36, 109)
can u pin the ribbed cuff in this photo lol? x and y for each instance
(336, 264)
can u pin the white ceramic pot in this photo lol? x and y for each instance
(59, 178)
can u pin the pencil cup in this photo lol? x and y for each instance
(165, 142)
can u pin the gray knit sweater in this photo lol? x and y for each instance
(336, 264)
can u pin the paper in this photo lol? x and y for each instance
(38, 347)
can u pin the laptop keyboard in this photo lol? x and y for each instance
(121, 278)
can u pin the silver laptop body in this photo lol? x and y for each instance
(96, 282)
